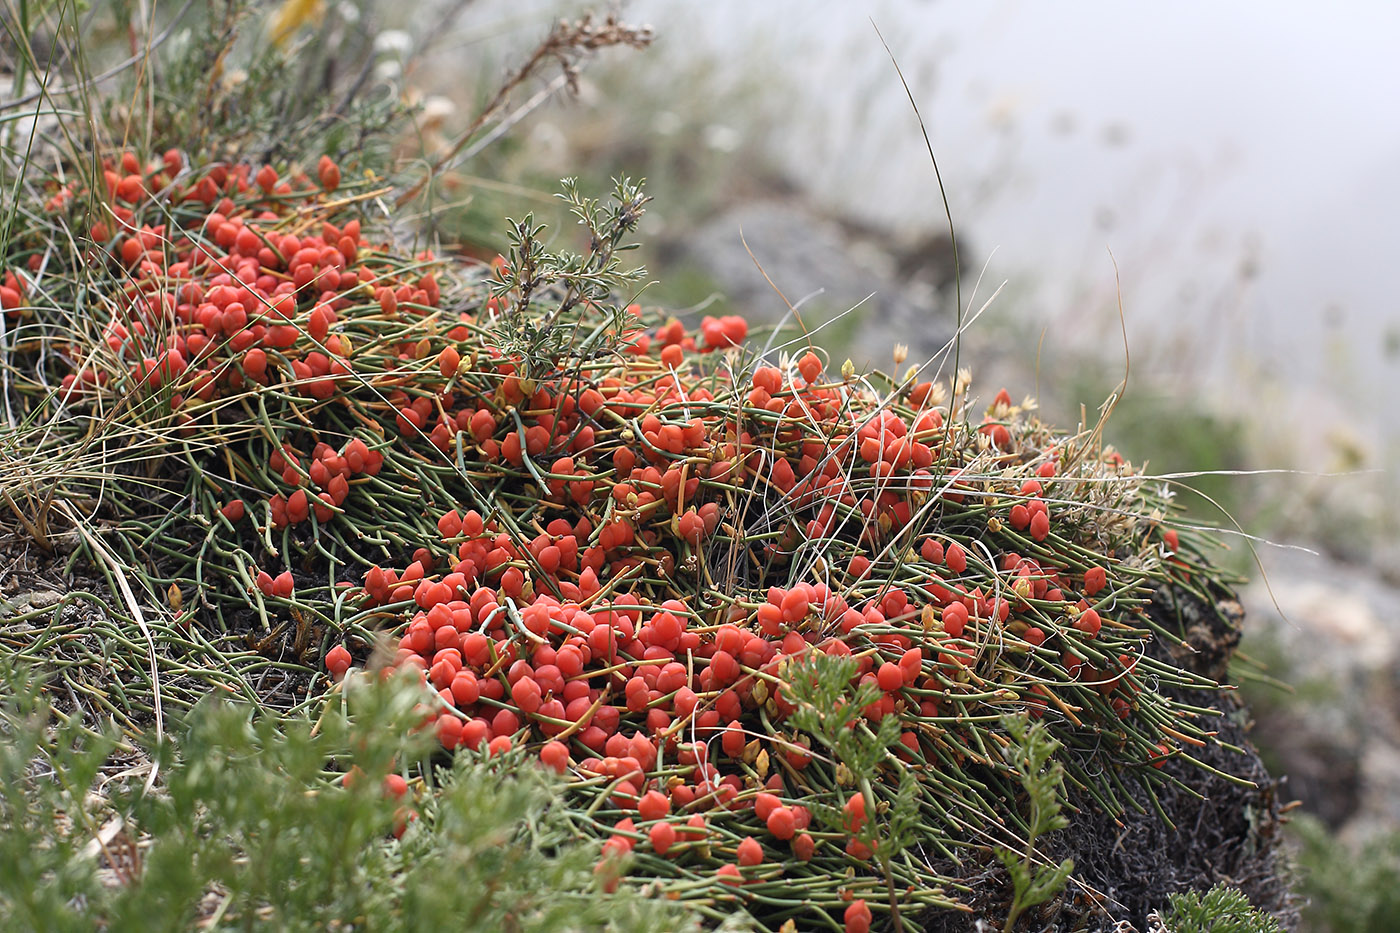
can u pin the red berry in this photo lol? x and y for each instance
(465, 689)
(955, 557)
(782, 823)
(794, 605)
(1089, 622)
(729, 873)
(954, 618)
(654, 805)
(338, 661)
(663, 836)
(855, 813)
(733, 740)
(857, 917)
(449, 731)
(750, 852)
(555, 755)
(328, 173)
(764, 805)
(448, 360)
(283, 585)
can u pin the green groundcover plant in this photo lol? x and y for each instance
(247, 829)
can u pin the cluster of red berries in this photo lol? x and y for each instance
(220, 294)
(696, 523)
(661, 700)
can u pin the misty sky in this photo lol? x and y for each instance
(1193, 140)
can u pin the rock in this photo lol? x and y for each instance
(42, 599)
(835, 266)
(1332, 631)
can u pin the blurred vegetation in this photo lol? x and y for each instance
(1349, 889)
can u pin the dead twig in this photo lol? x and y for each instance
(566, 44)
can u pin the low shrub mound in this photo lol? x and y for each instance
(805, 642)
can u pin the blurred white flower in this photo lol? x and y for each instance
(393, 40)
(722, 138)
(667, 123)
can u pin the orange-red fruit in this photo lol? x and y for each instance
(338, 661)
(555, 755)
(328, 173)
(804, 847)
(448, 361)
(663, 836)
(889, 678)
(769, 379)
(729, 873)
(283, 585)
(782, 823)
(954, 619)
(750, 852)
(255, 363)
(130, 189)
(1095, 579)
(234, 510)
(764, 805)
(654, 805)
(857, 917)
(855, 813)
(297, 506)
(955, 557)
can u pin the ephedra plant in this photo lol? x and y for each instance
(781, 625)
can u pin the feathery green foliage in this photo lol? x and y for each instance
(1030, 754)
(1222, 909)
(1349, 891)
